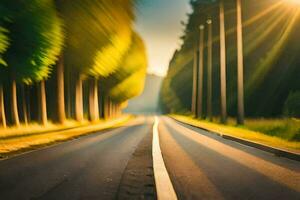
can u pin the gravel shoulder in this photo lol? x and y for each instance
(138, 179)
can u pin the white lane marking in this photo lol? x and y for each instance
(164, 187)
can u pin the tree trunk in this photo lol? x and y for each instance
(110, 109)
(118, 110)
(79, 99)
(28, 103)
(113, 107)
(24, 105)
(68, 95)
(61, 114)
(200, 74)
(195, 76)
(101, 104)
(42, 103)
(14, 103)
(2, 108)
(93, 100)
(106, 107)
(96, 99)
(108, 113)
(223, 64)
(240, 64)
(209, 70)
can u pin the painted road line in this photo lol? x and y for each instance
(164, 187)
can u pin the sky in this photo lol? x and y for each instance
(158, 22)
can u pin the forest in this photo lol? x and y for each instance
(271, 48)
(68, 59)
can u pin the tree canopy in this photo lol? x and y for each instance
(128, 80)
(100, 35)
(36, 39)
(4, 39)
(134, 60)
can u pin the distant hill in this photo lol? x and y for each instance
(147, 102)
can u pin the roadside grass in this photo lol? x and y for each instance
(35, 128)
(285, 128)
(18, 140)
(279, 133)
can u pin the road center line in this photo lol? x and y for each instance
(164, 187)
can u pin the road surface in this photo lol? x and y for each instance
(98, 166)
(204, 166)
(118, 164)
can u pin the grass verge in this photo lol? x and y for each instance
(244, 132)
(12, 143)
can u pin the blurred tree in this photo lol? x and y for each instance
(128, 81)
(134, 60)
(36, 41)
(129, 88)
(4, 43)
(95, 46)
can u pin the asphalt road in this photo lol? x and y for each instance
(204, 166)
(91, 167)
(118, 164)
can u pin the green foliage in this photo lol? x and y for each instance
(128, 81)
(90, 38)
(4, 43)
(172, 100)
(101, 43)
(100, 35)
(36, 39)
(129, 88)
(111, 55)
(132, 61)
(292, 105)
(288, 129)
(4, 39)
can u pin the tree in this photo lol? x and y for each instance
(132, 61)
(240, 73)
(175, 96)
(129, 88)
(200, 73)
(195, 81)
(128, 81)
(209, 69)
(4, 44)
(223, 64)
(96, 44)
(36, 41)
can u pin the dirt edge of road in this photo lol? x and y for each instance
(138, 178)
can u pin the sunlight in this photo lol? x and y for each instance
(296, 2)
(254, 19)
(274, 53)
